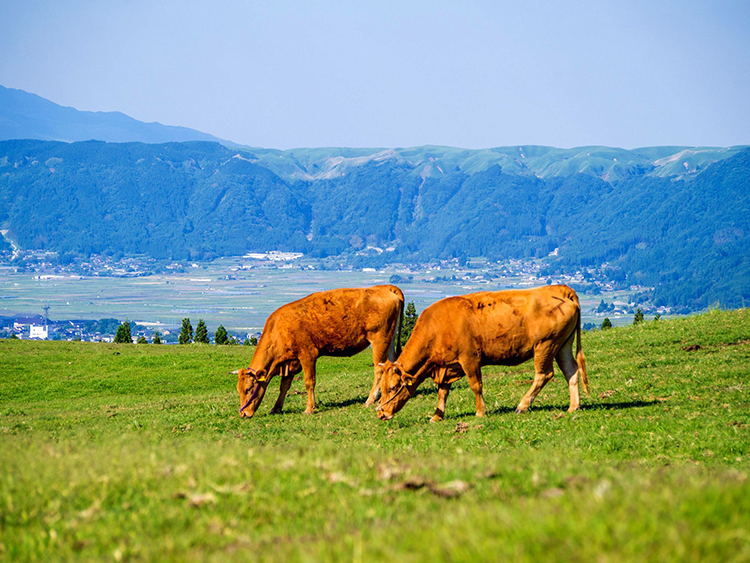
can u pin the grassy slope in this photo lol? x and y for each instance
(544, 162)
(137, 453)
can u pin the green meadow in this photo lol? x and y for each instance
(137, 453)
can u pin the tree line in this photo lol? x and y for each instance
(187, 336)
(223, 338)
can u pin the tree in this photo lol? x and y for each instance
(638, 318)
(201, 333)
(253, 341)
(124, 336)
(246, 342)
(220, 337)
(410, 319)
(186, 334)
(657, 316)
(157, 338)
(141, 340)
(606, 323)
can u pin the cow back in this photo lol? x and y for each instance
(336, 322)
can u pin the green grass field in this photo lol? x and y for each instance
(136, 453)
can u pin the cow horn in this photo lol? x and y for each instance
(235, 372)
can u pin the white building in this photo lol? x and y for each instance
(36, 331)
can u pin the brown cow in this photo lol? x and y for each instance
(458, 335)
(338, 322)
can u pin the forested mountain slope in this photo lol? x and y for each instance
(687, 234)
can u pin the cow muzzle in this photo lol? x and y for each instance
(250, 400)
(382, 415)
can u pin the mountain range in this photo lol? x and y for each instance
(27, 116)
(673, 218)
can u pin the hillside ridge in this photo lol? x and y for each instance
(687, 237)
(24, 115)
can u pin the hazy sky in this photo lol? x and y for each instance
(385, 74)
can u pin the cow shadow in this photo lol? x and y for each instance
(360, 400)
(506, 409)
(584, 407)
(345, 403)
(620, 405)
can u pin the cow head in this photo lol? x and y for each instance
(251, 385)
(396, 387)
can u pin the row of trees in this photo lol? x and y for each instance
(638, 318)
(221, 337)
(124, 335)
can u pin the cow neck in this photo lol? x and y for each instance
(263, 358)
(421, 376)
(414, 360)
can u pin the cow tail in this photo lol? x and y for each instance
(580, 358)
(398, 327)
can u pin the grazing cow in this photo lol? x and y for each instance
(456, 336)
(339, 322)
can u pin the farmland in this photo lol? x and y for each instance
(224, 292)
(136, 452)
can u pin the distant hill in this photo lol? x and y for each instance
(609, 164)
(686, 233)
(28, 116)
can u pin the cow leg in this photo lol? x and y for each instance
(473, 373)
(286, 383)
(379, 355)
(443, 391)
(569, 367)
(308, 367)
(543, 364)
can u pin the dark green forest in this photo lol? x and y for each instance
(686, 235)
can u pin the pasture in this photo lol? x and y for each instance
(136, 453)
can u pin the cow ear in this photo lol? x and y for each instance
(409, 379)
(260, 375)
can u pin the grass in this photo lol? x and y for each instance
(131, 452)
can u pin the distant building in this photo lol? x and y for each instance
(20, 321)
(40, 332)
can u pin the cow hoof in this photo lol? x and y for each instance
(519, 411)
(481, 415)
(275, 411)
(308, 412)
(436, 418)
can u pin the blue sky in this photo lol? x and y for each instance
(385, 74)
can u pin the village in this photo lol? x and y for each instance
(622, 301)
